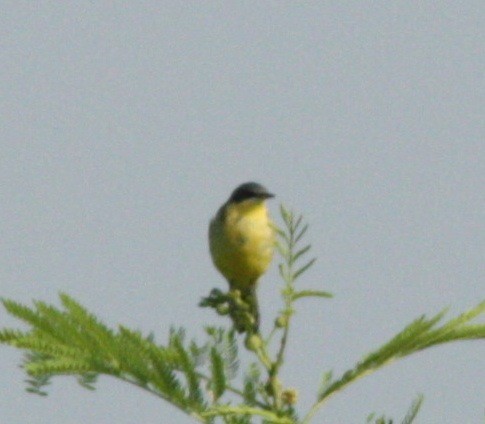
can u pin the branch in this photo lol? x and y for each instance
(419, 335)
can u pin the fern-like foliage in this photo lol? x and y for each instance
(408, 419)
(421, 334)
(224, 361)
(252, 384)
(71, 341)
(202, 379)
(413, 410)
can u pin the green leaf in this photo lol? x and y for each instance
(304, 268)
(301, 233)
(230, 354)
(413, 410)
(57, 366)
(88, 380)
(285, 214)
(311, 293)
(218, 383)
(297, 224)
(188, 368)
(251, 384)
(8, 335)
(280, 233)
(199, 354)
(300, 253)
(325, 383)
(25, 314)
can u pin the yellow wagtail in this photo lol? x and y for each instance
(241, 240)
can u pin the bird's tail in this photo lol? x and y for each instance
(250, 297)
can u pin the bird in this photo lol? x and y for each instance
(241, 243)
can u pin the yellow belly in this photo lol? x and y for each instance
(242, 244)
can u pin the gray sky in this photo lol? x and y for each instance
(124, 126)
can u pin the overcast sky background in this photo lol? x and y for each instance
(124, 125)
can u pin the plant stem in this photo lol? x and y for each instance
(192, 413)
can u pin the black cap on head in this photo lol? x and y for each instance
(250, 190)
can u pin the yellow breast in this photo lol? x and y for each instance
(241, 240)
